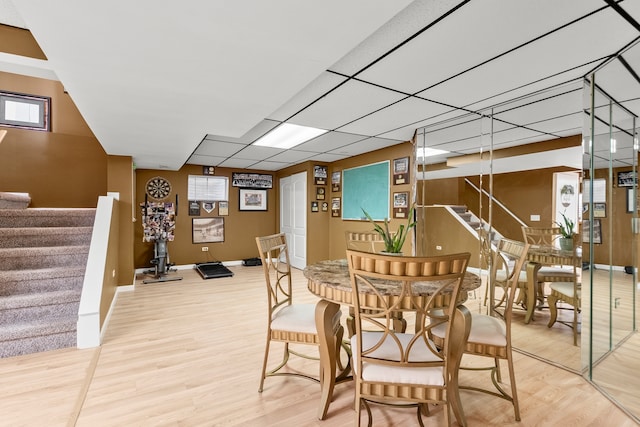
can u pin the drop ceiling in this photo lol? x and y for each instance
(198, 83)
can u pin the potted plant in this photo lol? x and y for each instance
(393, 241)
(566, 232)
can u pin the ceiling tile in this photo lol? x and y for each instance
(405, 112)
(329, 141)
(218, 148)
(352, 101)
(468, 36)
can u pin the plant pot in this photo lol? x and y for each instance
(566, 243)
(391, 253)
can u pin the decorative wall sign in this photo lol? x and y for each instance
(401, 171)
(335, 181)
(251, 180)
(320, 175)
(253, 199)
(314, 206)
(325, 206)
(320, 193)
(208, 206)
(194, 208)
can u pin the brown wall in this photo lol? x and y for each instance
(240, 228)
(121, 180)
(66, 167)
(337, 226)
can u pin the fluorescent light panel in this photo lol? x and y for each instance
(429, 152)
(288, 135)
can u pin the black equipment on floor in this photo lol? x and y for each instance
(213, 270)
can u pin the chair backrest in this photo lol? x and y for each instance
(540, 236)
(510, 255)
(367, 241)
(485, 245)
(428, 286)
(274, 255)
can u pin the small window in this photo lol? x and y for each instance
(24, 111)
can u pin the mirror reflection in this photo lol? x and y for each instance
(577, 310)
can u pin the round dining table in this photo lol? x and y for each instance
(330, 281)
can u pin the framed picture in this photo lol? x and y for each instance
(325, 206)
(207, 230)
(401, 204)
(597, 231)
(335, 207)
(223, 208)
(253, 199)
(319, 193)
(251, 180)
(320, 175)
(314, 206)
(401, 171)
(335, 181)
(599, 210)
(194, 208)
(627, 179)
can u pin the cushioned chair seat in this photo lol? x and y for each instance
(565, 288)
(484, 330)
(296, 318)
(389, 350)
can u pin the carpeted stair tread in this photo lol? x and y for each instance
(44, 236)
(42, 257)
(47, 217)
(41, 273)
(34, 328)
(10, 302)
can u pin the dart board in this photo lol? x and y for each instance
(158, 188)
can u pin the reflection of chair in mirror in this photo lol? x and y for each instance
(368, 241)
(287, 322)
(484, 237)
(490, 334)
(404, 369)
(544, 237)
(567, 290)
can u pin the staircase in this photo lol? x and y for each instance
(43, 256)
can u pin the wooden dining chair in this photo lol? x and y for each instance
(399, 368)
(546, 236)
(567, 290)
(368, 241)
(287, 322)
(490, 334)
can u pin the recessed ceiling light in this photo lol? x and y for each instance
(288, 135)
(429, 152)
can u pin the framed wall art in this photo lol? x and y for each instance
(320, 175)
(401, 171)
(253, 199)
(627, 179)
(207, 230)
(335, 181)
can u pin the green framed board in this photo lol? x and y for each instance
(366, 187)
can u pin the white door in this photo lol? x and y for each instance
(293, 217)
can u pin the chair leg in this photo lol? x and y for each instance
(514, 390)
(575, 324)
(553, 309)
(264, 364)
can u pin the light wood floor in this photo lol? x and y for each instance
(188, 353)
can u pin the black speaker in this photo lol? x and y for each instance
(628, 269)
(251, 262)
